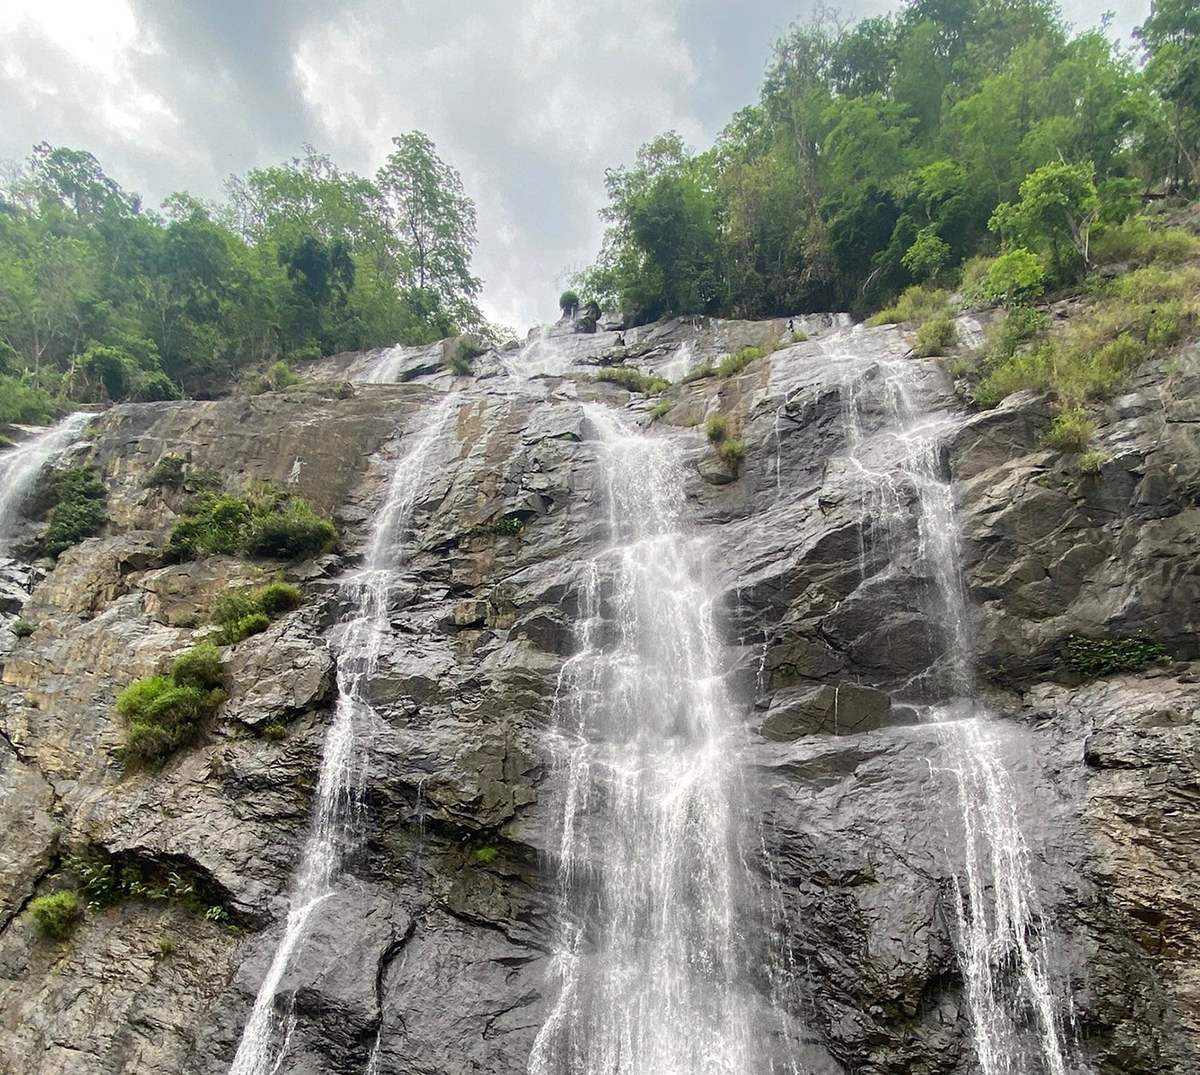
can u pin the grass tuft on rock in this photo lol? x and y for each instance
(633, 380)
(264, 522)
(247, 612)
(164, 713)
(1070, 431)
(57, 914)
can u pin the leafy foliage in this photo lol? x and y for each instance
(103, 300)
(1092, 657)
(79, 509)
(107, 879)
(878, 152)
(1016, 277)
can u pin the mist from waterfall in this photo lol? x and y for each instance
(336, 823)
(1016, 1004)
(20, 467)
(647, 975)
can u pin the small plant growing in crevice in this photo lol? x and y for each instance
(108, 879)
(163, 713)
(735, 363)
(1070, 431)
(21, 628)
(1092, 462)
(1095, 657)
(484, 855)
(168, 473)
(716, 428)
(505, 526)
(461, 353)
(250, 611)
(57, 914)
(661, 409)
(706, 369)
(733, 451)
(275, 732)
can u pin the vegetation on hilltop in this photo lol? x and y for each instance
(102, 299)
(888, 153)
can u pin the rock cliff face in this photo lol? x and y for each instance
(433, 955)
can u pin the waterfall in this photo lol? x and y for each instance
(336, 820)
(647, 968)
(20, 467)
(1002, 938)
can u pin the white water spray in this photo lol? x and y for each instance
(647, 975)
(336, 822)
(1002, 937)
(20, 467)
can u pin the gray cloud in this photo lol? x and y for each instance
(529, 100)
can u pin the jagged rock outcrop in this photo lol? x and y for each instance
(438, 951)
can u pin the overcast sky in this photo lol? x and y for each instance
(529, 99)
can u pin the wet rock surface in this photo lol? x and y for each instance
(433, 955)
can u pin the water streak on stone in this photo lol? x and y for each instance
(1017, 1007)
(646, 977)
(336, 821)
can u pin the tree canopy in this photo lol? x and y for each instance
(102, 299)
(879, 153)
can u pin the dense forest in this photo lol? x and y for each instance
(102, 299)
(887, 153)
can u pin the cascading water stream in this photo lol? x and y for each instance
(648, 967)
(1003, 940)
(20, 467)
(336, 815)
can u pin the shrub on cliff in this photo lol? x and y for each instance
(163, 713)
(79, 509)
(1070, 431)
(291, 534)
(57, 914)
(915, 304)
(633, 380)
(250, 611)
(1134, 318)
(264, 522)
(935, 337)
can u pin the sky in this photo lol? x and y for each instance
(529, 99)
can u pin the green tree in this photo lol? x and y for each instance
(434, 221)
(1057, 208)
(1171, 39)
